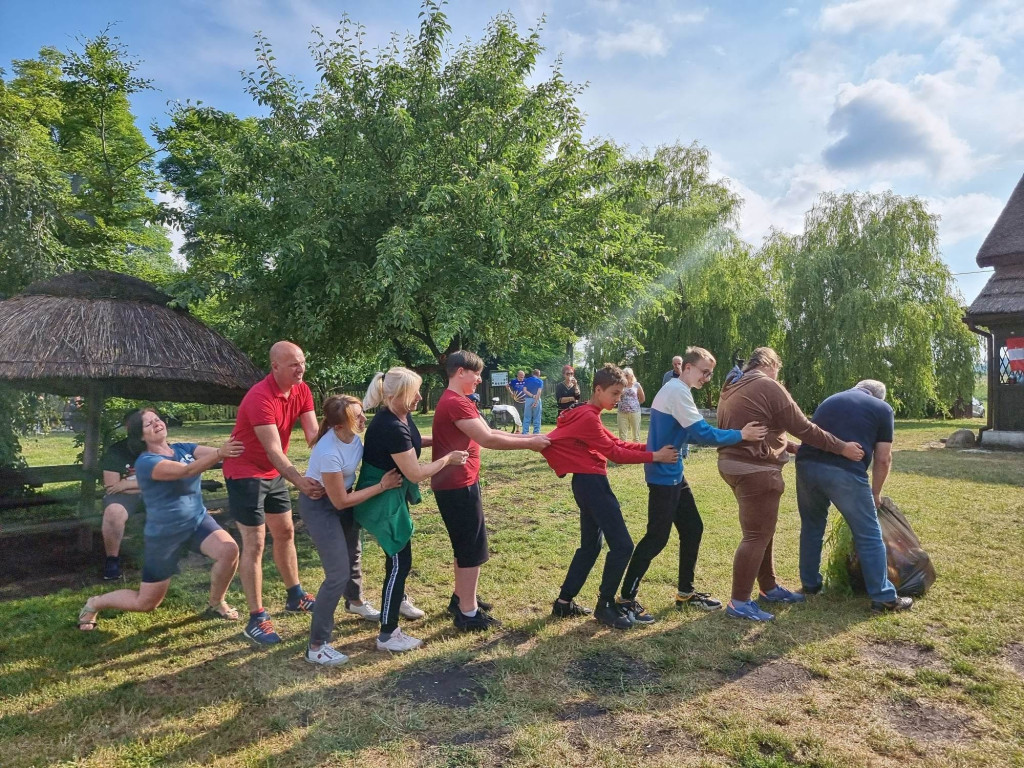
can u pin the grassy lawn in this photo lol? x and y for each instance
(826, 684)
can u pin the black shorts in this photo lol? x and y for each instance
(249, 498)
(463, 513)
(132, 502)
(160, 554)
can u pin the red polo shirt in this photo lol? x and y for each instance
(264, 404)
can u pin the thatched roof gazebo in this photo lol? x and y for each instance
(104, 334)
(998, 316)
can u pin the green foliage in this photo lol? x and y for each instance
(869, 297)
(414, 200)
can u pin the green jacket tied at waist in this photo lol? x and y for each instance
(386, 515)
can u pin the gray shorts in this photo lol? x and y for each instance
(132, 502)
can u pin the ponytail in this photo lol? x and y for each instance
(375, 392)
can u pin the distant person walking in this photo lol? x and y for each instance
(629, 408)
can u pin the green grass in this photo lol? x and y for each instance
(169, 688)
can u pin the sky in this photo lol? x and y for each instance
(792, 98)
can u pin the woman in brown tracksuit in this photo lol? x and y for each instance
(754, 472)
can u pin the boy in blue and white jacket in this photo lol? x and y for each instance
(676, 421)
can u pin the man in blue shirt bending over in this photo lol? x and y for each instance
(676, 421)
(860, 415)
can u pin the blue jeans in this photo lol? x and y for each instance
(531, 415)
(817, 484)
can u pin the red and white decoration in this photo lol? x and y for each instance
(1015, 353)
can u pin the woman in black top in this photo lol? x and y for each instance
(567, 391)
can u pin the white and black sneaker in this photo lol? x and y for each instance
(365, 610)
(636, 612)
(701, 600)
(325, 656)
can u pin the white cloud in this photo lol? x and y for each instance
(893, 65)
(791, 11)
(883, 125)
(857, 14)
(965, 216)
(718, 50)
(638, 37)
(176, 236)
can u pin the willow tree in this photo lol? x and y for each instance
(869, 297)
(415, 201)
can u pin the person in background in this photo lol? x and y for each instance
(567, 391)
(675, 372)
(754, 472)
(169, 475)
(121, 500)
(337, 452)
(533, 387)
(517, 389)
(394, 442)
(629, 407)
(858, 415)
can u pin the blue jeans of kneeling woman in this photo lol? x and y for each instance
(817, 484)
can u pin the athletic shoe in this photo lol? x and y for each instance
(635, 612)
(570, 610)
(261, 630)
(895, 606)
(478, 622)
(779, 594)
(303, 605)
(748, 610)
(701, 600)
(325, 656)
(112, 568)
(399, 642)
(612, 614)
(453, 604)
(410, 611)
(366, 610)
(811, 590)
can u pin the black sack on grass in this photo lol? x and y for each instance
(910, 568)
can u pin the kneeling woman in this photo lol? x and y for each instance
(394, 442)
(333, 461)
(169, 478)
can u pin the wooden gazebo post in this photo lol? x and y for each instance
(94, 401)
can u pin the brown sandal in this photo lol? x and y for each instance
(88, 625)
(221, 611)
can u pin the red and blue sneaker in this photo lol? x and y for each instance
(303, 605)
(260, 630)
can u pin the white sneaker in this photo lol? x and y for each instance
(325, 656)
(399, 642)
(366, 610)
(410, 611)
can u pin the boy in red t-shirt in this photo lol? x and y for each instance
(458, 427)
(580, 444)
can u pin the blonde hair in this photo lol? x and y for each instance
(695, 354)
(628, 373)
(763, 356)
(338, 412)
(397, 385)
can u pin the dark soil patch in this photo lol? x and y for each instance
(44, 563)
(1014, 655)
(773, 677)
(583, 710)
(459, 687)
(612, 671)
(926, 722)
(902, 656)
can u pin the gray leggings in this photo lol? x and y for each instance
(336, 536)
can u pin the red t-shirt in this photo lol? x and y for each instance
(447, 437)
(265, 404)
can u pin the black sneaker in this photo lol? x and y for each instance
(570, 610)
(811, 590)
(112, 569)
(636, 612)
(453, 604)
(478, 622)
(899, 604)
(700, 600)
(612, 614)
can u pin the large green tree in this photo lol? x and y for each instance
(419, 199)
(869, 297)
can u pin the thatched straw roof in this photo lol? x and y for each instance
(1005, 243)
(65, 334)
(1002, 295)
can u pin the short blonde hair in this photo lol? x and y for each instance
(763, 356)
(695, 354)
(398, 385)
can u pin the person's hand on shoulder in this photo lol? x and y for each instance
(666, 455)
(754, 432)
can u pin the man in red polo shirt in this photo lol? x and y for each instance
(458, 427)
(258, 496)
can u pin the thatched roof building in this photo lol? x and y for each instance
(81, 329)
(998, 316)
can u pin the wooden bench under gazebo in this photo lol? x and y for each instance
(103, 334)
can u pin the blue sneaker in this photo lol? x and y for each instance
(261, 630)
(303, 605)
(747, 610)
(779, 594)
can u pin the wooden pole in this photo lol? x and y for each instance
(90, 458)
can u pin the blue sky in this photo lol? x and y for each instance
(924, 97)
